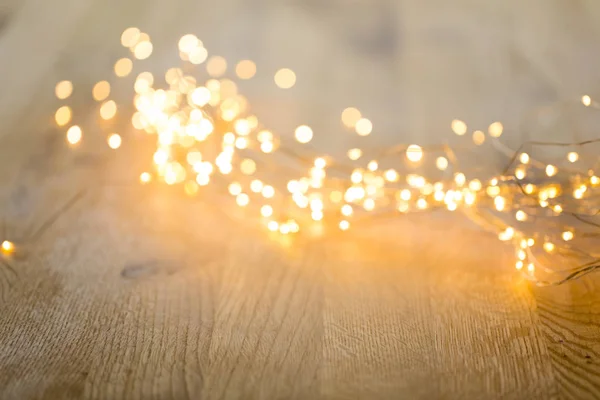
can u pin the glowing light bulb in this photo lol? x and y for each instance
(8, 246)
(414, 153)
(499, 203)
(478, 138)
(458, 127)
(285, 78)
(266, 211)
(551, 170)
(586, 100)
(519, 265)
(441, 163)
(303, 134)
(363, 127)
(520, 215)
(549, 247)
(145, 177)
(350, 116)
(572, 156)
(114, 141)
(567, 235)
(495, 129)
(74, 134)
(63, 89)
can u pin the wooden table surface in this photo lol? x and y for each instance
(127, 292)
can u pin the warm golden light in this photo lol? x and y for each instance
(551, 170)
(101, 90)
(350, 116)
(74, 134)
(108, 109)
(216, 66)
(130, 37)
(123, 67)
(63, 89)
(354, 154)
(478, 138)
(414, 153)
(495, 129)
(187, 43)
(285, 78)
(520, 216)
(245, 69)
(142, 50)
(363, 127)
(201, 96)
(204, 130)
(391, 175)
(572, 156)
(303, 134)
(242, 199)
(235, 188)
(268, 191)
(441, 163)
(63, 115)
(459, 127)
(586, 100)
(248, 166)
(7, 246)
(198, 55)
(567, 235)
(499, 203)
(114, 141)
(519, 265)
(145, 177)
(266, 211)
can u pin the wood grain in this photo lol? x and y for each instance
(121, 291)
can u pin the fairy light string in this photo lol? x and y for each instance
(207, 135)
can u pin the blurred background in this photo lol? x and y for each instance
(409, 66)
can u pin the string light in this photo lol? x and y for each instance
(63, 89)
(123, 67)
(74, 134)
(245, 69)
(7, 247)
(363, 127)
(586, 100)
(114, 141)
(414, 153)
(350, 116)
(285, 78)
(551, 170)
(304, 134)
(459, 127)
(495, 130)
(205, 130)
(478, 138)
(63, 115)
(101, 90)
(572, 156)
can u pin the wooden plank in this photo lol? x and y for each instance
(444, 321)
(570, 318)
